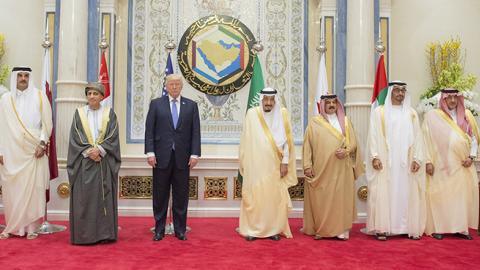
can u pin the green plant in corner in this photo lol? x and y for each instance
(4, 70)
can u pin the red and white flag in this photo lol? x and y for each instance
(105, 80)
(52, 148)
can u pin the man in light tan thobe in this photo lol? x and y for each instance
(267, 164)
(451, 137)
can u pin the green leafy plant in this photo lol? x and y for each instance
(446, 61)
(446, 68)
(4, 70)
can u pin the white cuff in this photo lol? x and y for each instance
(194, 156)
(103, 153)
(85, 153)
(150, 154)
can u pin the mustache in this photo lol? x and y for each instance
(331, 107)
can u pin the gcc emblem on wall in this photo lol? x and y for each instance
(215, 55)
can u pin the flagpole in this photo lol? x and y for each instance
(380, 49)
(46, 227)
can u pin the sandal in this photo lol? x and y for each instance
(4, 236)
(31, 236)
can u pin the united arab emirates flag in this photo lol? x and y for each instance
(380, 88)
(256, 85)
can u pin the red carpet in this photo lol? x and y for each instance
(214, 244)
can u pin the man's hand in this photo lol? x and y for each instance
(414, 167)
(430, 169)
(467, 163)
(152, 161)
(93, 153)
(309, 173)
(1, 160)
(39, 151)
(341, 153)
(192, 163)
(377, 164)
(283, 169)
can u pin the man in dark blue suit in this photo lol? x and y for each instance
(172, 144)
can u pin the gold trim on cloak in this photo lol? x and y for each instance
(344, 138)
(269, 133)
(86, 127)
(18, 116)
(454, 126)
(288, 132)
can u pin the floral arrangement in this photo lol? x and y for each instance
(446, 69)
(4, 70)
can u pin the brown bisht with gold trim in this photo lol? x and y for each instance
(329, 208)
(93, 200)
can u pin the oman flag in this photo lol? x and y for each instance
(105, 80)
(380, 88)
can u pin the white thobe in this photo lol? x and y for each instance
(269, 120)
(95, 118)
(399, 178)
(24, 177)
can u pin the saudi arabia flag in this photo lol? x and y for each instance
(380, 88)
(256, 85)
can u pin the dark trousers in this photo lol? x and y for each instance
(178, 180)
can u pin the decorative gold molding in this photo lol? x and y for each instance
(63, 190)
(135, 187)
(362, 193)
(296, 192)
(193, 187)
(215, 188)
(237, 189)
(140, 187)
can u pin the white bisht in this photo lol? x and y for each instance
(26, 119)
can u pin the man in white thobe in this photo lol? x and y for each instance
(395, 174)
(26, 118)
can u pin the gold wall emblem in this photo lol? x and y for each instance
(215, 55)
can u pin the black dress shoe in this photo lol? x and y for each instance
(437, 236)
(414, 237)
(381, 236)
(464, 236)
(158, 236)
(250, 238)
(275, 237)
(181, 236)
